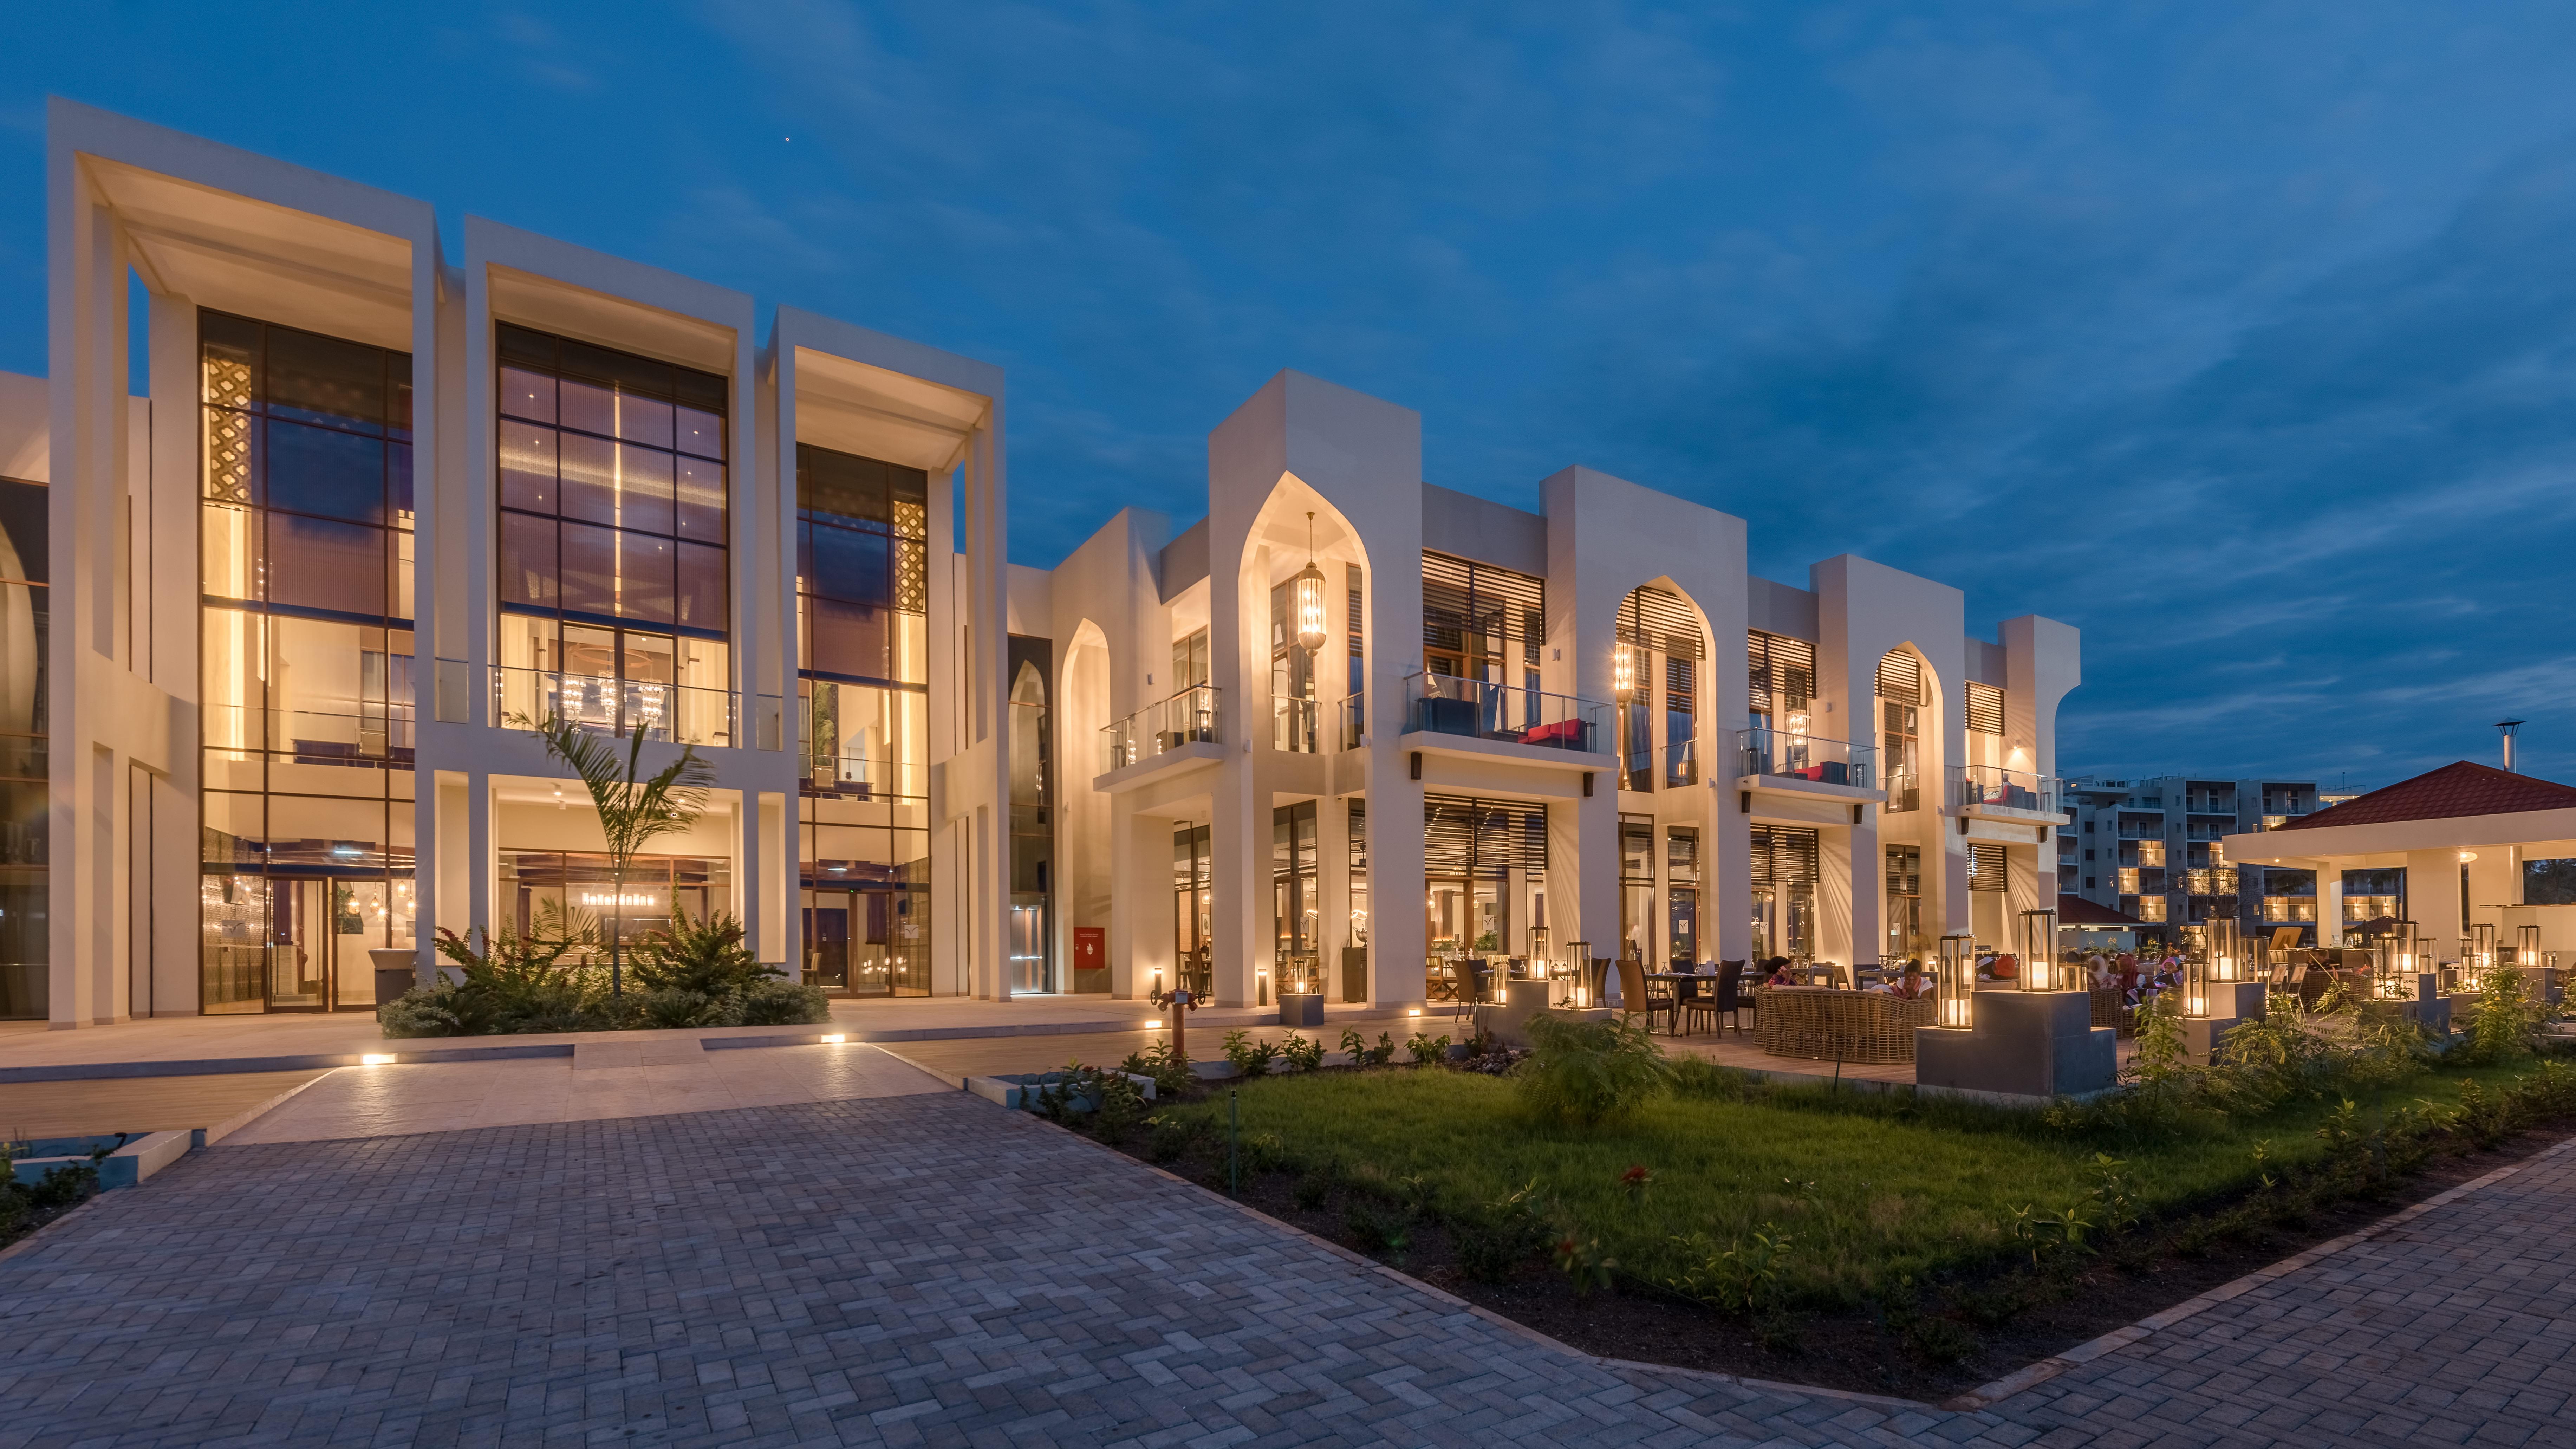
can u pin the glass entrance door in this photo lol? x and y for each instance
(319, 929)
(827, 939)
(298, 951)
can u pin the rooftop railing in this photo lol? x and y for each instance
(1444, 704)
(1987, 787)
(1188, 717)
(679, 714)
(1808, 757)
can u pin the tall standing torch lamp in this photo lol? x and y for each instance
(2039, 969)
(1954, 983)
(1309, 597)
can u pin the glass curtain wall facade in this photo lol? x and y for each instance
(863, 678)
(24, 798)
(614, 577)
(305, 666)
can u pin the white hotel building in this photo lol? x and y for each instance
(379, 501)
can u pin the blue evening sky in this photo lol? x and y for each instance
(2237, 334)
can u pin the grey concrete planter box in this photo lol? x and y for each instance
(1301, 1008)
(1019, 1090)
(2035, 1044)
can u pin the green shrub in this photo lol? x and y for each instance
(1166, 1064)
(774, 1001)
(673, 1007)
(1251, 1056)
(1169, 1138)
(422, 1011)
(63, 1186)
(1427, 1048)
(1585, 1073)
(1122, 1106)
(705, 956)
(2506, 1021)
(1302, 1054)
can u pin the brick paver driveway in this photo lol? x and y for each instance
(920, 1270)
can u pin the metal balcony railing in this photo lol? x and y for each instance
(1986, 787)
(1353, 714)
(1673, 765)
(1808, 757)
(677, 713)
(1188, 717)
(1445, 704)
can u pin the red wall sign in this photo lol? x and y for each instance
(1090, 948)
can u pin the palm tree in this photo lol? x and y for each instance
(633, 812)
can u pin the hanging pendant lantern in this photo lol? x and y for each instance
(1308, 595)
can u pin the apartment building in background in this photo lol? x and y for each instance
(2155, 848)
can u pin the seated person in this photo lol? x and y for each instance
(1913, 985)
(2007, 967)
(1779, 972)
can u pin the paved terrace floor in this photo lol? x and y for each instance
(926, 1269)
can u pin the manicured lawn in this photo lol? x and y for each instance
(1869, 1188)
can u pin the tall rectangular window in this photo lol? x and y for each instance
(863, 676)
(305, 665)
(615, 578)
(24, 611)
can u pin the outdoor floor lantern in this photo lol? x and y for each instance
(2526, 946)
(2039, 969)
(1581, 952)
(2397, 954)
(2195, 985)
(1954, 983)
(2226, 953)
(2477, 956)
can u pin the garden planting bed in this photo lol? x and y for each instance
(1910, 1268)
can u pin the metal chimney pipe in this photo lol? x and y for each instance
(2508, 727)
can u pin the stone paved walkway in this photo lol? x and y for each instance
(931, 1270)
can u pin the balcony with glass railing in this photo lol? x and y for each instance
(1186, 718)
(1443, 704)
(1352, 713)
(1783, 755)
(679, 714)
(1987, 789)
(1904, 792)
